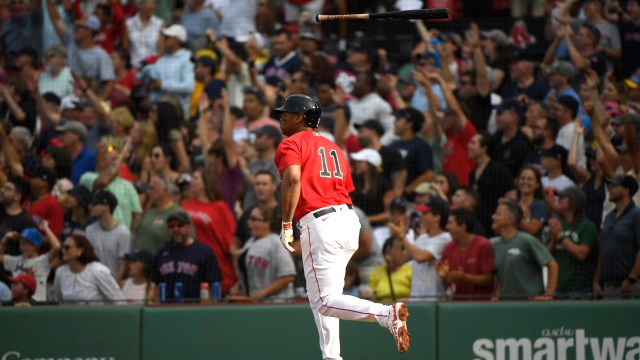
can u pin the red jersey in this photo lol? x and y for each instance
(48, 208)
(456, 157)
(476, 259)
(325, 175)
(215, 226)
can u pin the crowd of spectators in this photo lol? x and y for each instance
(137, 140)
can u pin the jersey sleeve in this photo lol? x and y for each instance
(288, 153)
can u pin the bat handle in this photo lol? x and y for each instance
(320, 18)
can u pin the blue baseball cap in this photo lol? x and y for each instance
(33, 236)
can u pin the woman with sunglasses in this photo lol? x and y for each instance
(83, 279)
(265, 268)
(162, 162)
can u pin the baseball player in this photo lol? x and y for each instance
(316, 182)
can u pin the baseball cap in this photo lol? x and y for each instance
(140, 255)
(25, 279)
(311, 35)
(626, 181)
(257, 92)
(592, 28)
(563, 68)
(75, 127)
(574, 193)
(557, 152)
(371, 124)
(424, 188)
(179, 216)
(55, 50)
(399, 204)
(81, 193)
(45, 174)
(569, 102)
(271, 132)
(435, 205)
(33, 236)
(369, 155)
(175, 31)
(428, 55)
(91, 22)
(496, 35)
(410, 114)
(633, 82)
(104, 197)
(451, 37)
(511, 105)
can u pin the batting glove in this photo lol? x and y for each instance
(286, 236)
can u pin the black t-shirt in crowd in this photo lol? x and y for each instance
(417, 157)
(190, 265)
(391, 163)
(479, 110)
(492, 184)
(513, 152)
(630, 37)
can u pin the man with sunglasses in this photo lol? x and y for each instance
(183, 260)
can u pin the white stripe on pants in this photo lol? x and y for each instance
(327, 244)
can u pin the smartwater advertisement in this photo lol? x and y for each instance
(540, 331)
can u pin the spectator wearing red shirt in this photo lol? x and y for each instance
(459, 131)
(125, 77)
(111, 17)
(214, 223)
(467, 262)
(45, 206)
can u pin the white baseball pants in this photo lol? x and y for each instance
(328, 242)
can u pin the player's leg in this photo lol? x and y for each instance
(329, 334)
(327, 245)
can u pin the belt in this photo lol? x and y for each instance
(328, 210)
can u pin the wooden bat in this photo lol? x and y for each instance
(429, 14)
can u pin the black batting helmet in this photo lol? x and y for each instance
(305, 105)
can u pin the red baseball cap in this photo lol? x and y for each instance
(25, 279)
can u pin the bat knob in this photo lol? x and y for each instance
(317, 18)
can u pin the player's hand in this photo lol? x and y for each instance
(286, 235)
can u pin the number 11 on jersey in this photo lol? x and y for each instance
(325, 171)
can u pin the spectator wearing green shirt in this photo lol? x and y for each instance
(519, 258)
(572, 241)
(152, 233)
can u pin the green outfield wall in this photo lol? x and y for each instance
(478, 331)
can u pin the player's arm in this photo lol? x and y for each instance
(290, 191)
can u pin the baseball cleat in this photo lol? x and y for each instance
(398, 326)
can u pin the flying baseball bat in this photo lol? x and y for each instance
(430, 14)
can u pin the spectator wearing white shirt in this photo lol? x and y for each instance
(142, 37)
(369, 105)
(83, 279)
(57, 76)
(110, 238)
(30, 261)
(565, 110)
(552, 160)
(136, 286)
(427, 250)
